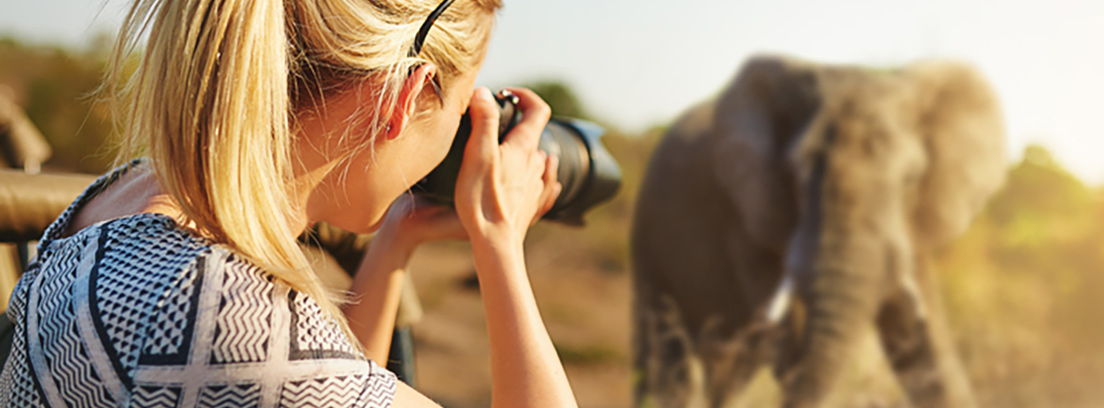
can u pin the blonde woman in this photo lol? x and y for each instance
(175, 280)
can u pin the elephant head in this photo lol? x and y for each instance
(851, 173)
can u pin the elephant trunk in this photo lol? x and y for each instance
(840, 288)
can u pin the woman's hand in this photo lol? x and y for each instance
(504, 188)
(413, 220)
(501, 191)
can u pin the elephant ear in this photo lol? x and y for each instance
(963, 132)
(758, 117)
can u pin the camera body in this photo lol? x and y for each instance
(587, 171)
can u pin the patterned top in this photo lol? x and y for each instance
(138, 312)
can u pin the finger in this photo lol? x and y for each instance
(552, 188)
(535, 114)
(458, 232)
(483, 143)
(540, 170)
(551, 169)
(538, 163)
(449, 225)
(548, 200)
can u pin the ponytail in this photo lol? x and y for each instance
(213, 97)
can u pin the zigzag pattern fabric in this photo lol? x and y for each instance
(139, 312)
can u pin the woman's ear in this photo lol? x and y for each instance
(407, 103)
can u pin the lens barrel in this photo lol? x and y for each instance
(588, 173)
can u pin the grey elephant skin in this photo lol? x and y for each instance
(800, 206)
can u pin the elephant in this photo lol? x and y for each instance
(798, 207)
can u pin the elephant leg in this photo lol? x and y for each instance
(787, 351)
(918, 346)
(732, 360)
(668, 369)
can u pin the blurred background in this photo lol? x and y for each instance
(1024, 287)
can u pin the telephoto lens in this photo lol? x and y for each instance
(587, 171)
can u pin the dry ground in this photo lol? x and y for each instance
(586, 307)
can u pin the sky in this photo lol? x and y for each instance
(638, 64)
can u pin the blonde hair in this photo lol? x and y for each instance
(214, 99)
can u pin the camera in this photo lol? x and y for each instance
(587, 171)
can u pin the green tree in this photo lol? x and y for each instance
(1041, 206)
(561, 98)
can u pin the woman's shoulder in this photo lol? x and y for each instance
(147, 265)
(237, 324)
(147, 243)
(58, 228)
(164, 315)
